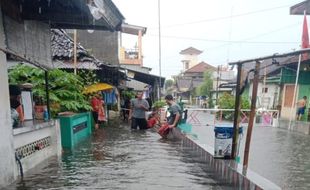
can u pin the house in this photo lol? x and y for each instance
(222, 79)
(25, 36)
(192, 74)
(190, 57)
(288, 79)
(269, 87)
(277, 84)
(189, 80)
(132, 60)
(107, 46)
(63, 58)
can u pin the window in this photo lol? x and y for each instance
(186, 65)
(264, 90)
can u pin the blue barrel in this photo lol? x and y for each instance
(223, 139)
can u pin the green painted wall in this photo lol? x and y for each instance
(289, 76)
(304, 90)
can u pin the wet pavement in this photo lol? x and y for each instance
(118, 158)
(279, 155)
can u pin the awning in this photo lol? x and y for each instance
(133, 29)
(146, 77)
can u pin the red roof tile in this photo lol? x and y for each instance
(200, 68)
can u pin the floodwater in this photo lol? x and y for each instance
(118, 158)
(279, 155)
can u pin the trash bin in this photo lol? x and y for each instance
(223, 140)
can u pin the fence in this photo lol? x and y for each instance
(262, 117)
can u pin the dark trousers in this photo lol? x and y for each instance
(141, 122)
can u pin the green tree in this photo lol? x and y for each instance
(168, 83)
(206, 87)
(169, 86)
(227, 101)
(89, 76)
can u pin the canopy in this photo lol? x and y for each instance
(97, 87)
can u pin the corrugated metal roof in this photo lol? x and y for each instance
(132, 29)
(299, 8)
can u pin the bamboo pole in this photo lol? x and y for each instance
(74, 50)
(236, 114)
(252, 116)
(47, 95)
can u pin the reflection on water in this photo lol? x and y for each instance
(279, 155)
(117, 158)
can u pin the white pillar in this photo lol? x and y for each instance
(7, 153)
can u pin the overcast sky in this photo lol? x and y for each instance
(225, 30)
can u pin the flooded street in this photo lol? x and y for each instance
(278, 155)
(118, 158)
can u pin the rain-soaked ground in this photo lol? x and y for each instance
(118, 158)
(278, 155)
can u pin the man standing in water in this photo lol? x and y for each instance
(137, 112)
(174, 110)
(301, 107)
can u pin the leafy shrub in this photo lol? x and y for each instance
(65, 89)
(227, 101)
(159, 104)
(128, 94)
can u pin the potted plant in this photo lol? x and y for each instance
(65, 89)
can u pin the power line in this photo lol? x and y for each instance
(259, 35)
(224, 17)
(229, 41)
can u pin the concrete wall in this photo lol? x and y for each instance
(32, 137)
(193, 60)
(267, 100)
(7, 158)
(102, 44)
(227, 171)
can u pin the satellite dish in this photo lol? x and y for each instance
(90, 31)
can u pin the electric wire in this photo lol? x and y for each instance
(224, 17)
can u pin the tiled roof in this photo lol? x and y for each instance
(187, 84)
(62, 46)
(62, 52)
(200, 68)
(190, 51)
(183, 85)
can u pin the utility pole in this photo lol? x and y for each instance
(159, 48)
(217, 84)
